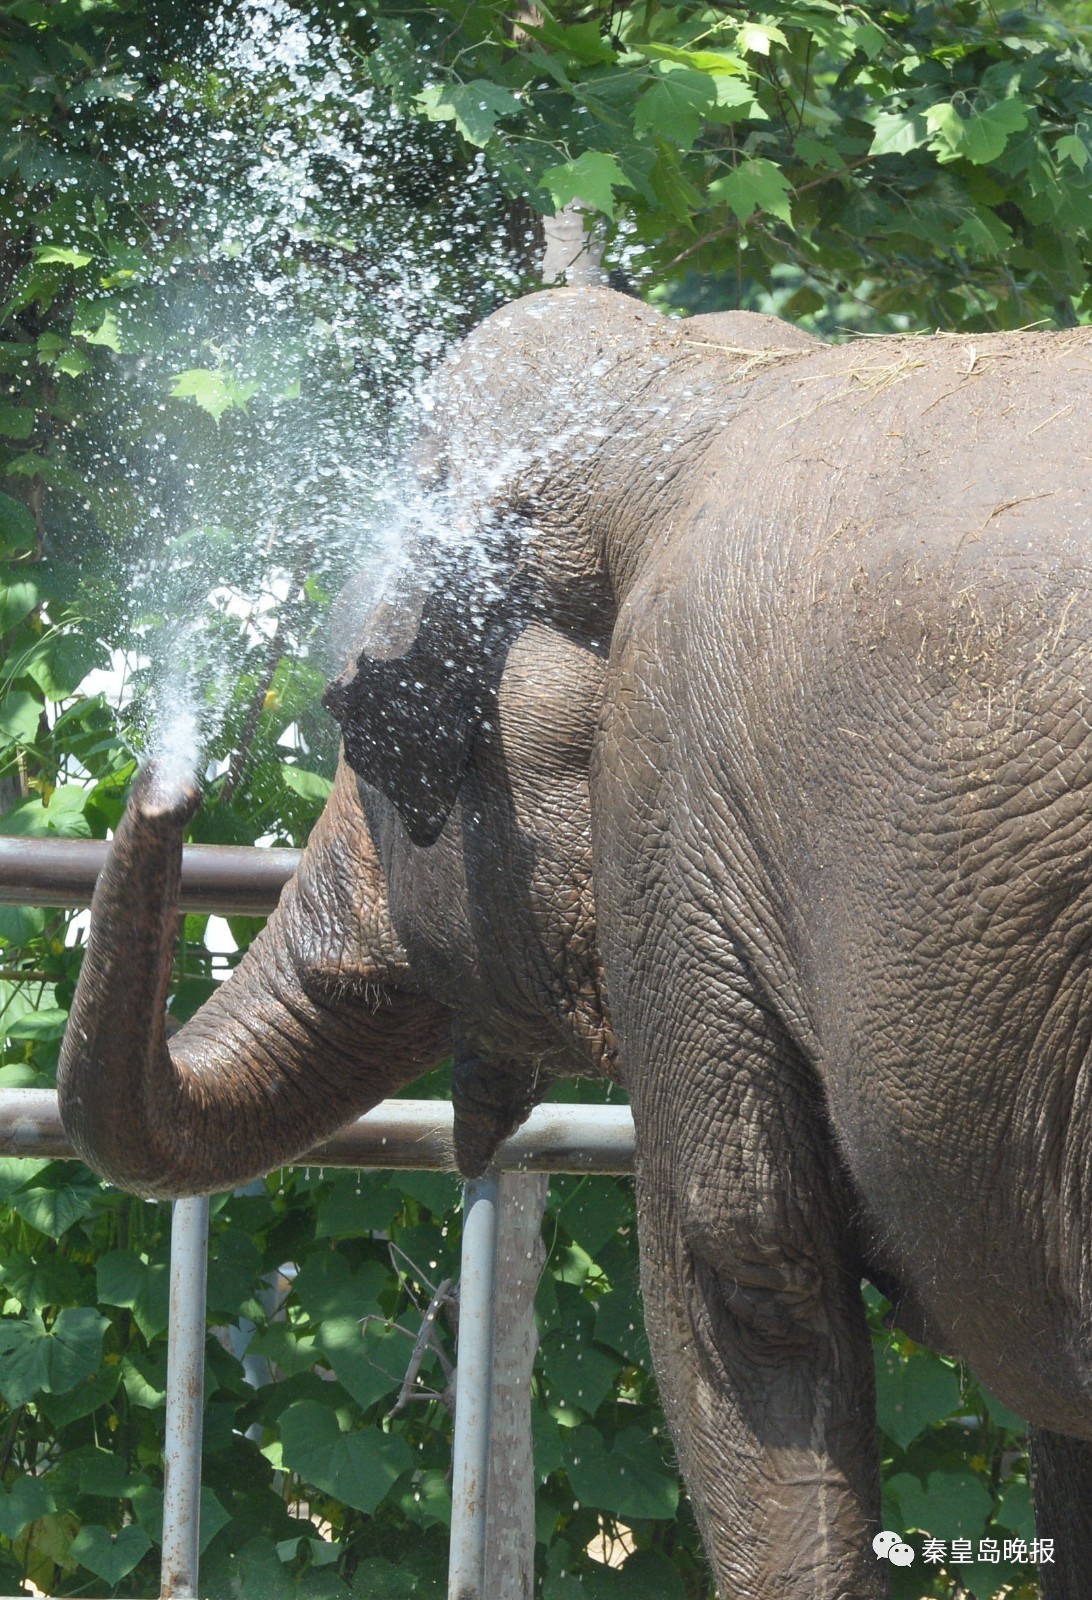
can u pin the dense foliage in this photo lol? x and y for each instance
(232, 239)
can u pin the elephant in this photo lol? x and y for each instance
(727, 734)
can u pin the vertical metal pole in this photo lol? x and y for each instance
(185, 1399)
(473, 1391)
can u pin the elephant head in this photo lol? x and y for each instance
(448, 885)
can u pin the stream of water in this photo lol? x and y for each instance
(259, 432)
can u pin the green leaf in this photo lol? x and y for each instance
(356, 1204)
(97, 1390)
(285, 1348)
(595, 1211)
(145, 1378)
(262, 1575)
(674, 107)
(980, 137)
(1071, 147)
(27, 1500)
(53, 1208)
(47, 1023)
(754, 185)
(359, 1469)
(309, 785)
(619, 1323)
(715, 62)
(1015, 1511)
(16, 422)
(475, 108)
(214, 391)
(106, 333)
(63, 816)
(581, 42)
(15, 1172)
(20, 714)
(629, 1479)
(55, 1360)
(233, 1264)
(899, 132)
(756, 38)
(60, 661)
(61, 256)
(951, 1503)
(110, 1556)
(579, 1375)
(21, 924)
(17, 529)
(141, 1287)
(17, 600)
(592, 179)
(326, 1287)
(912, 1392)
(369, 1361)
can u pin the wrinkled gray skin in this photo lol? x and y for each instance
(774, 711)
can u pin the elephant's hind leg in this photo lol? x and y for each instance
(752, 1298)
(1061, 1480)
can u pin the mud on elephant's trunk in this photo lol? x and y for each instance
(312, 1029)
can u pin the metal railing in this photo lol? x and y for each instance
(407, 1134)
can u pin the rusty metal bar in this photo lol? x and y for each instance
(473, 1391)
(398, 1134)
(185, 1400)
(234, 880)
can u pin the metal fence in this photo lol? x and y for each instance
(407, 1134)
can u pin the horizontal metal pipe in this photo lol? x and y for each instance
(410, 1134)
(235, 880)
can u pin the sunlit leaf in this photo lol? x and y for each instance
(591, 179)
(357, 1468)
(475, 108)
(754, 185)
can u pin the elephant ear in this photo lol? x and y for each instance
(409, 721)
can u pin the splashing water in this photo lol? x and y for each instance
(257, 427)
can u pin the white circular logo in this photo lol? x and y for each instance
(900, 1555)
(884, 1543)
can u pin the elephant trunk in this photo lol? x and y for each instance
(311, 1030)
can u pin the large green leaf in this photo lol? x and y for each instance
(593, 179)
(949, 1504)
(141, 1287)
(359, 1469)
(629, 1478)
(475, 108)
(369, 1360)
(579, 1374)
(675, 106)
(979, 137)
(327, 1287)
(56, 1359)
(912, 1391)
(26, 1501)
(54, 1207)
(18, 597)
(754, 185)
(110, 1556)
(17, 529)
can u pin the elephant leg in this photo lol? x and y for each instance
(753, 1304)
(1061, 1483)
